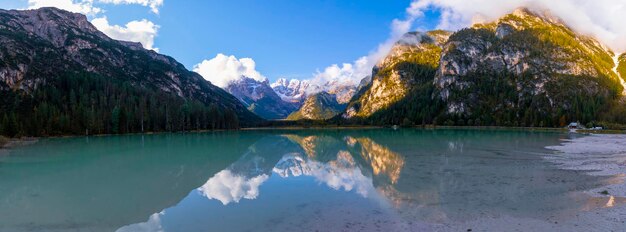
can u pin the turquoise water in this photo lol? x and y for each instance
(288, 180)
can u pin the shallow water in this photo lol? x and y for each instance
(299, 180)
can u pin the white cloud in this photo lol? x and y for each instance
(152, 225)
(227, 187)
(223, 69)
(153, 4)
(353, 73)
(83, 7)
(142, 31)
(345, 75)
(339, 174)
(603, 19)
(87, 6)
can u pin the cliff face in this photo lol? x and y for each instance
(620, 69)
(526, 69)
(538, 52)
(410, 63)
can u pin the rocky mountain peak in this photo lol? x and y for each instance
(525, 68)
(394, 75)
(319, 106)
(260, 98)
(46, 44)
(293, 90)
(52, 24)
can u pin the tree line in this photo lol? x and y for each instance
(86, 104)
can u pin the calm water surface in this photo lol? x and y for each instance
(290, 180)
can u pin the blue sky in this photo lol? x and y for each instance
(286, 38)
(304, 39)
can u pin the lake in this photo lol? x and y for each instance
(304, 180)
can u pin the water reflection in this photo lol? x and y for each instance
(300, 157)
(339, 174)
(438, 178)
(381, 159)
(406, 180)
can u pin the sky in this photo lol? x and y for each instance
(319, 40)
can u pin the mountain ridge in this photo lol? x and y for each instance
(63, 76)
(319, 106)
(261, 99)
(524, 69)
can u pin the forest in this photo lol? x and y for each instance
(87, 104)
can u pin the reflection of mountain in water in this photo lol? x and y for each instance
(339, 174)
(382, 160)
(325, 158)
(243, 178)
(432, 176)
(321, 147)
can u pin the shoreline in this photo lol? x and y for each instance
(322, 127)
(8, 143)
(596, 155)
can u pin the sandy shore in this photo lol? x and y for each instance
(601, 155)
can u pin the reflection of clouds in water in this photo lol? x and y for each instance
(455, 146)
(153, 225)
(228, 187)
(341, 173)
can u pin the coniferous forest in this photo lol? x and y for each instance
(80, 104)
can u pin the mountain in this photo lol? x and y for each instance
(621, 69)
(60, 75)
(297, 91)
(261, 99)
(319, 106)
(405, 74)
(525, 69)
(291, 91)
(343, 90)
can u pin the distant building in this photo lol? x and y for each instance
(575, 125)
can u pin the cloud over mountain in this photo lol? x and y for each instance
(602, 19)
(142, 31)
(83, 7)
(223, 69)
(354, 72)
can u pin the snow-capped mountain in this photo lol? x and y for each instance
(260, 98)
(293, 90)
(342, 89)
